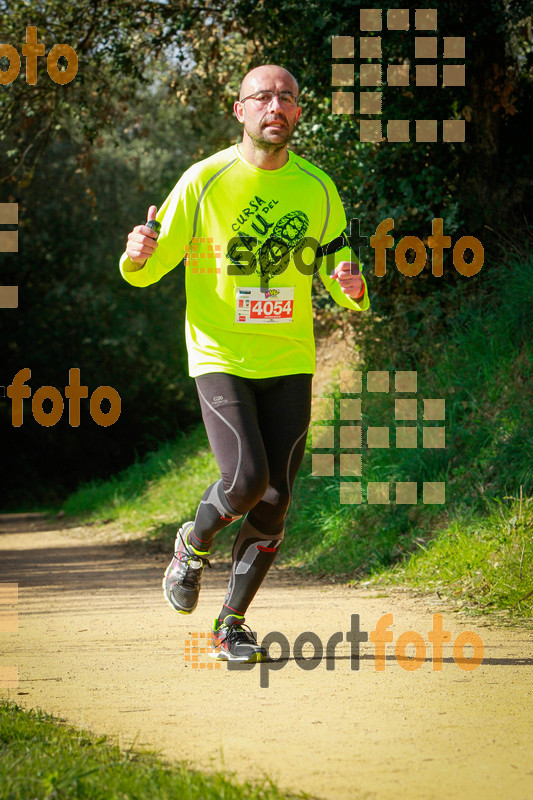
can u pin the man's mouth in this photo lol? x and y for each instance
(275, 125)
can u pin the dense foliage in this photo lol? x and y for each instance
(153, 93)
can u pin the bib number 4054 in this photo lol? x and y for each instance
(272, 308)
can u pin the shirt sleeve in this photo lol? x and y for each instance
(176, 216)
(334, 229)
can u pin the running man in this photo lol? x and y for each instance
(254, 222)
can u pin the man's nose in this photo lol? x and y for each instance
(275, 103)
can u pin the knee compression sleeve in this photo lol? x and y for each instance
(213, 514)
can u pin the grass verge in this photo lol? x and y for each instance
(43, 759)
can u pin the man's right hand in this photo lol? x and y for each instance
(142, 241)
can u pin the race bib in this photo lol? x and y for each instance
(274, 305)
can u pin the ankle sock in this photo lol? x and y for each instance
(228, 619)
(194, 549)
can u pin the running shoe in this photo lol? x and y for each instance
(234, 641)
(181, 582)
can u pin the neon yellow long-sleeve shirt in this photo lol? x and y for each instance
(249, 237)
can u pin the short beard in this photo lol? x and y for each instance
(271, 147)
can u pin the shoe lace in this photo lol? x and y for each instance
(237, 633)
(186, 555)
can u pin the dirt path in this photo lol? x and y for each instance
(98, 646)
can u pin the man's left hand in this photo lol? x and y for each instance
(350, 282)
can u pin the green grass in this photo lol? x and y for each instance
(163, 485)
(481, 560)
(45, 760)
(468, 548)
(482, 563)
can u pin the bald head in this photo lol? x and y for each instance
(269, 114)
(268, 76)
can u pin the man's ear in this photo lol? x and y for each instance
(238, 110)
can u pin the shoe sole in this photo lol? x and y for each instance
(167, 595)
(255, 658)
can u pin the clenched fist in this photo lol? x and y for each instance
(142, 241)
(348, 274)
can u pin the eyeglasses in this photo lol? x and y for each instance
(266, 97)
